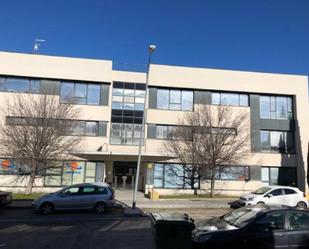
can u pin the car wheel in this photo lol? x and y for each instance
(301, 204)
(100, 208)
(47, 208)
(260, 202)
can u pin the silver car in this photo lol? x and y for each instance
(96, 196)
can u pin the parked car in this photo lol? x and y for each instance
(96, 196)
(256, 227)
(5, 198)
(282, 195)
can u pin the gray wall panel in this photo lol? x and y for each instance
(104, 94)
(255, 122)
(151, 131)
(202, 97)
(152, 98)
(255, 173)
(102, 129)
(51, 87)
(281, 125)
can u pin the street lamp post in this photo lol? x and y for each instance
(151, 49)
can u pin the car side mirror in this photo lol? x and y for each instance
(269, 195)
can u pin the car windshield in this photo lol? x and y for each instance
(261, 191)
(241, 216)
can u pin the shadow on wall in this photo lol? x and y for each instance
(300, 174)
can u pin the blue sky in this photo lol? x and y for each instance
(257, 35)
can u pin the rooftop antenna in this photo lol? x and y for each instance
(36, 45)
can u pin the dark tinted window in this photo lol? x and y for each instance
(88, 190)
(101, 190)
(289, 191)
(268, 223)
(298, 220)
(276, 192)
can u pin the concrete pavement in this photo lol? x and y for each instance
(124, 197)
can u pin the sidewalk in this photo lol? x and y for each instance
(125, 197)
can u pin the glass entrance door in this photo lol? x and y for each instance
(124, 175)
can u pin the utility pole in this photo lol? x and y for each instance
(151, 49)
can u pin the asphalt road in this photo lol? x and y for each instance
(23, 229)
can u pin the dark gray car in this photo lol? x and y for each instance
(5, 198)
(96, 196)
(255, 227)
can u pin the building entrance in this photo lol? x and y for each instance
(124, 175)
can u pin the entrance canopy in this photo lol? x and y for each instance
(106, 156)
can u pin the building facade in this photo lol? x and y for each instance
(112, 104)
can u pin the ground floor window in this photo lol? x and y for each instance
(14, 167)
(173, 176)
(180, 176)
(71, 172)
(59, 173)
(237, 173)
(279, 175)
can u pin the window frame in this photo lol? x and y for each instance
(30, 86)
(169, 103)
(217, 95)
(273, 107)
(76, 100)
(163, 179)
(288, 141)
(270, 176)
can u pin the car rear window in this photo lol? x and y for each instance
(88, 190)
(101, 190)
(288, 191)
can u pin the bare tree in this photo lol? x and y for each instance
(34, 133)
(209, 139)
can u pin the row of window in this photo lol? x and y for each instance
(131, 96)
(233, 99)
(70, 92)
(168, 131)
(275, 107)
(20, 85)
(180, 176)
(63, 173)
(79, 128)
(80, 93)
(277, 141)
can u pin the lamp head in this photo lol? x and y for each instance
(151, 48)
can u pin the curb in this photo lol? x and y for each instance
(20, 204)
